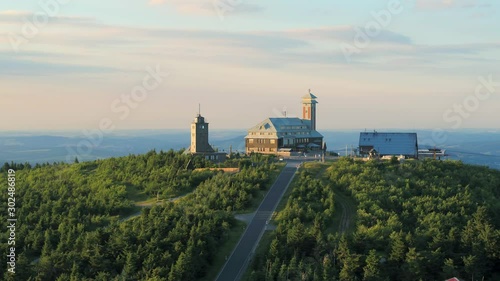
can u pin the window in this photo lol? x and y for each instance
(250, 140)
(273, 141)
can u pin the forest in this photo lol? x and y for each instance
(80, 221)
(417, 220)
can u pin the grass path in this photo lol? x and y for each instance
(345, 209)
(347, 214)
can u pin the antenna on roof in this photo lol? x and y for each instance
(199, 109)
(284, 111)
(309, 91)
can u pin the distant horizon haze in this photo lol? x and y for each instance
(474, 146)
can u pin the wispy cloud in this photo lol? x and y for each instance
(80, 40)
(203, 7)
(19, 67)
(448, 4)
(12, 16)
(346, 33)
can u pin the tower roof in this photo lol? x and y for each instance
(199, 119)
(310, 98)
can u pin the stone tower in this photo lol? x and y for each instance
(199, 135)
(309, 109)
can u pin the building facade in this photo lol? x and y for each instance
(388, 144)
(283, 135)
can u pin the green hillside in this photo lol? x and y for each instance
(421, 220)
(115, 219)
(153, 217)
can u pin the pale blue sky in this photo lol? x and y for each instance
(257, 59)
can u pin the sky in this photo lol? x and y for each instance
(148, 64)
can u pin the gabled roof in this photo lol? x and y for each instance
(284, 124)
(275, 124)
(266, 125)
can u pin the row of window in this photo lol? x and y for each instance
(387, 139)
(261, 134)
(293, 127)
(271, 141)
(264, 149)
(281, 134)
(294, 133)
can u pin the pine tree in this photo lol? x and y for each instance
(371, 271)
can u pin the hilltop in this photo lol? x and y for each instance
(166, 216)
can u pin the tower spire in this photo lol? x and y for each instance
(199, 109)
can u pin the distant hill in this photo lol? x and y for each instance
(480, 147)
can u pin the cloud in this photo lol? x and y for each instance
(208, 7)
(75, 41)
(156, 2)
(449, 4)
(347, 33)
(17, 67)
(19, 17)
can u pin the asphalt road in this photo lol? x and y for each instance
(236, 264)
